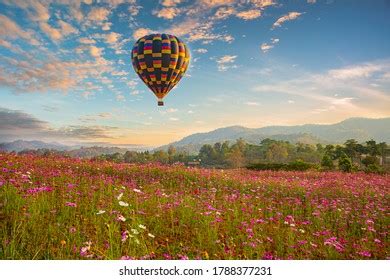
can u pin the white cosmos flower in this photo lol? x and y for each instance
(119, 196)
(142, 226)
(137, 190)
(121, 218)
(151, 235)
(124, 204)
(100, 212)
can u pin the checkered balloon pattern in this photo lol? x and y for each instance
(160, 60)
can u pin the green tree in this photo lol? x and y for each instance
(236, 157)
(327, 162)
(345, 163)
(372, 148)
(171, 153)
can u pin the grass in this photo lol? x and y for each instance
(59, 208)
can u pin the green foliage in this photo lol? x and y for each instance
(297, 165)
(345, 163)
(370, 160)
(374, 168)
(327, 162)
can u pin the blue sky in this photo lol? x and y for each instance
(66, 73)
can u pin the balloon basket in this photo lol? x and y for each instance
(160, 103)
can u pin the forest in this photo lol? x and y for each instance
(269, 154)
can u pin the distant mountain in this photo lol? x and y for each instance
(20, 145)
(90, 152)
(361, 129)
(73, 151)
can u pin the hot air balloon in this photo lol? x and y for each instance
(160, 60)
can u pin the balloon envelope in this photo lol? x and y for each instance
(160, 60)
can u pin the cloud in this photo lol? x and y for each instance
(66, 28)
(201, 50)
(265, 47)
(356, 71)
(53, 33)
(224, 12)
(96, 117)
(37, 75)
(112, 38)
(17, 124)
(98, 14)
(95, 51)
(215, 3)
(249, 15)
(87, 40)
(171, 3)
(226, 62)
(329, 90)
(251, 103)
(167, 13)
(172, 110)
(14, 120)
(132, 83)
(289, 16)
(141, 32)
(262, 3)
(12, 30)
(57, 34)
(174, 119)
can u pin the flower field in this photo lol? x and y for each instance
(59, 208)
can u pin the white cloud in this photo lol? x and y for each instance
(266, 47)
(262, 3)
(87, 41)
(98, 15)
(140, 32)
(172, 110)
(249, 15)
(201, 50)
(251, 103)
(173, 119)
(167, 13)
(224, 12)
(106, 26)
(132, 83)
(226, 62)
(330, 91)
(356, 71)
(289, 16)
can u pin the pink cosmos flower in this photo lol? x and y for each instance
(71, 204)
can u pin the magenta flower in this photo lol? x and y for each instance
(71, 204)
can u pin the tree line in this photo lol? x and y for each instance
(268, 154)
(271, 154)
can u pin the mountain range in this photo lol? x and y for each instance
(360, 129)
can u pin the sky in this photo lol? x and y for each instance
(66, 72)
